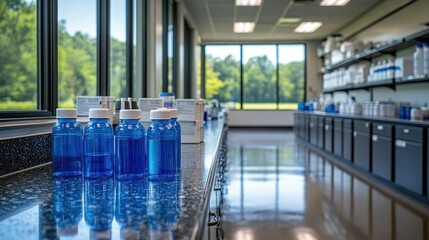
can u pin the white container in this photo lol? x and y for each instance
(84, 103)
(191, 131)
(190, 109)
(416, 113)
(418, 60)
(147, 104)
(426, 58)
(404, 67)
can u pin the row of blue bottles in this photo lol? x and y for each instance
(138, 203)
(163, 136)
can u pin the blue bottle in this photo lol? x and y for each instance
(99, 207)
(160, 137)
(130, 146)
(177, 141)
(131, 205)
(68, 204)
(98, 145)
(66, 144)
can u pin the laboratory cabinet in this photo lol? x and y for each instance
(338, 137)
(328, 134)
(392, 150)
(362, 144)
(320, 132)
(348, 140)
(382, 150)
(313, 129)
(409, 158)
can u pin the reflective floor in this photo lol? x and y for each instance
(279, 189)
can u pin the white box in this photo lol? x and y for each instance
(191, 132)
(84, 103)
(147, 104)
(404, 67)
(189, 109)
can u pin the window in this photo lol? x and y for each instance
(18, 55)
(53, 51)
(259, 76)
(291, 75)
(77, 50)
(222, 74)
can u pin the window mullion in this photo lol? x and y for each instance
(103, 47)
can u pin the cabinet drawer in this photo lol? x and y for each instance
(362, 126)
(348, 123)
(409, 133)
(382, 161)
(409, 165)
(382, 129)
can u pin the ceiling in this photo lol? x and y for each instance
(214, 19)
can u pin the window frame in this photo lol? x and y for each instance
(47, 56)
(241, 80)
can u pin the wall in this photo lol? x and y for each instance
(261, 118)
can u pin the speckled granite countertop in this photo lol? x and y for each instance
(34, 205)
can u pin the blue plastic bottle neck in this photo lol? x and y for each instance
(165, 121)
(129, 121)
(67, 119)
(173, 120)
(98, 119)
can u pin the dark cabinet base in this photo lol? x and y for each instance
(382, 157)
(409, 165)
(361, 155)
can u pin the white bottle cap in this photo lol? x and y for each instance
(98, 113)
(66, 113)
(130, 114)
(173, 112)
(160, 113)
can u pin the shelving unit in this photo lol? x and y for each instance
(365, 86)
(387, 49)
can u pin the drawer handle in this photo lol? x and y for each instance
(400, 143)
(374, 138)
(354, 133)
(327, 127)
(311, 125)
(367, 125)
(406, 131)
(380, 127)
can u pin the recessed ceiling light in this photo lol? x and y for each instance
(248, 2)
(244, 27)
(334, 2)
(290, 20)
(308, 27)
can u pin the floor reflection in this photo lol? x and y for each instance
(279, 189)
